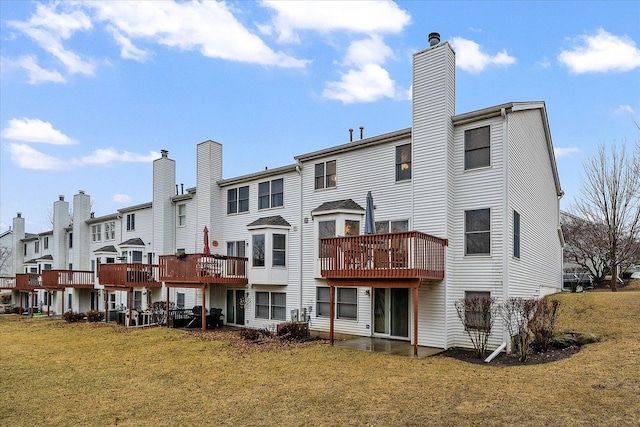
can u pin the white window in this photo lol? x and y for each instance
(392, 226)
(279, 250)
(475, 315)
(236, 248)
(271, 305)
(96, 233)
(477, 148)
(516, 234)
(45, 243)
(270, 194)
(403, 162)
(238, 200)
(180, 300)
(131, 222)
(110, 230)
(346, 303)
(182, 215)
(477, 228)
(325, 175)
(36, 247)
(258, 250)
(325, 229)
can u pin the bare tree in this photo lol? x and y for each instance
(477, 314)
(611, 201)
(586, 245)
(5, 258)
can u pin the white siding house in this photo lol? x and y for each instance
(462, 203)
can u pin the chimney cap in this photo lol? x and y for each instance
(434, 39)
(164, 153)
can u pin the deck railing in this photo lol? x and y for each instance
(60, 279)
(8, 283)
(28, 281)
(410, 254)
(201, 268)
(129, 275)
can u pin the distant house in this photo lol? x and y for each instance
(464, 205)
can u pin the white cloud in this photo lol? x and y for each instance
(35, 130)
(601, 53)
(48, 28)
(127, 49)
(109, 155)
(471, 58)
(624, 110)
(368, 51)
(208, 27)
(30, 158)
(37, 74)
(367, 17)
(565, 151)
(368, 84)
(122, 198)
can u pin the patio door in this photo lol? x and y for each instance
(391, 312)
(235, 306)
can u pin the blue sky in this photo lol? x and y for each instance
(90, 92)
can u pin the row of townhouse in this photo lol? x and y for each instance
(463, 205)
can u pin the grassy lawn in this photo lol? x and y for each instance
(56, 374)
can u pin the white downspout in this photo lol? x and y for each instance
(301, 222)
(506, 213)
(496, 352)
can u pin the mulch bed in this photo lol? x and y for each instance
(503, 359)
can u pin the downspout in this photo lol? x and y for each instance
(301, 222)
(505, 232)
(496, 352)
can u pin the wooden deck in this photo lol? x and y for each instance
(391, 256)
(201, 269)
(129, 275)
(61, 279)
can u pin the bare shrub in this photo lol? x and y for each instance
(95, 316)
(516, 314)
(477, 314)
(543, 323)
(72, 316)
(293, 331)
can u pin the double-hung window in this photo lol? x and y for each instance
(279, 250)
(238, 200)
(392, 226)
(258, 245)
(270, 194)
(110, 230)
(271, 305)
(325, 229)
(477, 148)
(516, 234)
(131, 222)
(325, 175)
(182, 215)
(477, 316)
(45, 243)
(96, 231)
(36, 247)
(346, 302)
(403, 162)
(477, 228)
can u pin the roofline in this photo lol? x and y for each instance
(350, 146)
(112, 216)
(257, 175)
(136, 207)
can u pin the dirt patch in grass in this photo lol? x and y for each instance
(504, 359)
(247, 347)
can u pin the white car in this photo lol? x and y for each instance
(635, 275)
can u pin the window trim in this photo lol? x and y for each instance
(337, 302)
(253, 250)
(516, 235)
(322, 178)
(478, 294)
(266, 195)
(182, 216)
(467, 137)
(400, 163)
(476, 232)
(280, 250)
(238, 204)
(131, 222)
(270, 305)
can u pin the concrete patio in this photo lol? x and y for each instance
(380, 345)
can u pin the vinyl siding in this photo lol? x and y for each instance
(532, 193)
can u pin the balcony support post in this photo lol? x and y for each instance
(167, 310)
(203, 315)
(415, 321)
(129, 306)
(331, 313)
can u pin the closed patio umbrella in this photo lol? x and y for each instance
(369, 221)
(206, 249)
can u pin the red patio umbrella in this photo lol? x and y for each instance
(206, 249)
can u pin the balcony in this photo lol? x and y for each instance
(382, 257)
(27, 282)
(129, 275)
(8, 283)
(61, 279)
(201, 269)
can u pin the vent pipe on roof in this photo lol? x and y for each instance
(350, 135)
(434, 39)
(177, 190)
(181, 188)
(92, 214)
(361, 131)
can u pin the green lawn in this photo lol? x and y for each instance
(56, 374)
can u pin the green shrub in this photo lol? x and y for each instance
(95, 316)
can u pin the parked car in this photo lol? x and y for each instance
(635, 275)
(577, 282)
